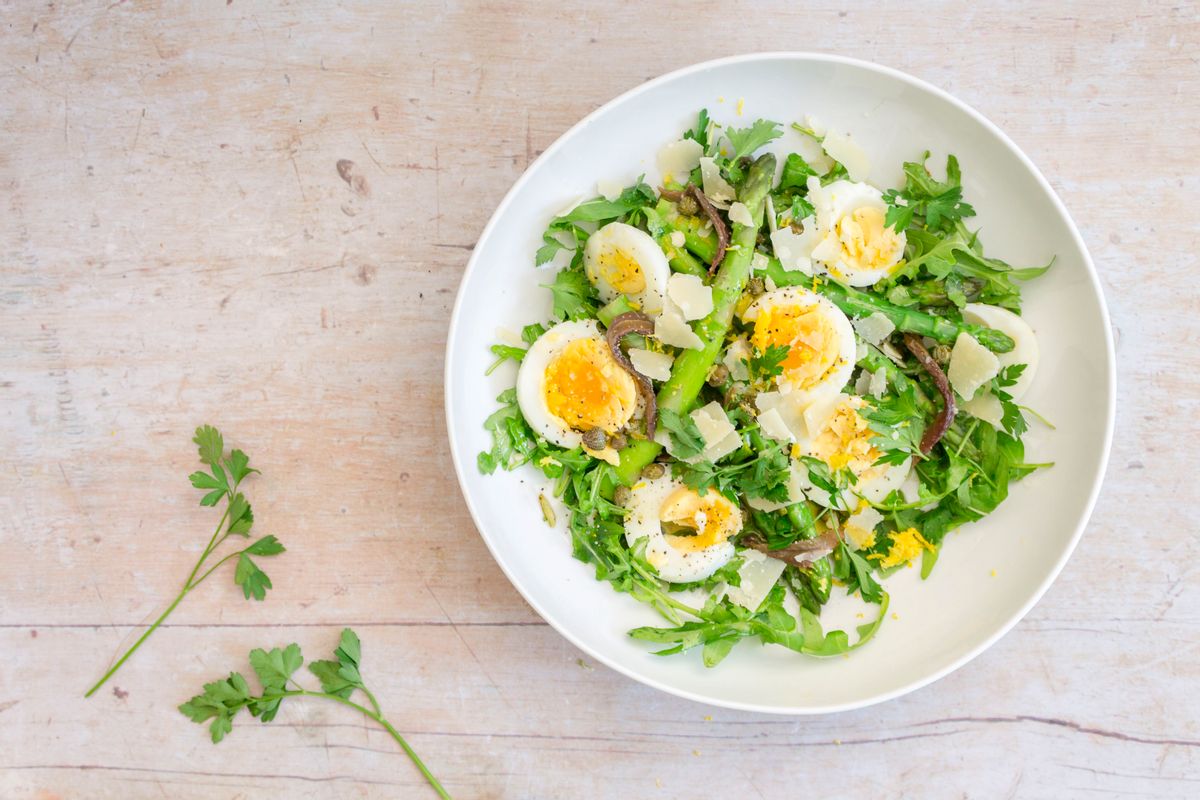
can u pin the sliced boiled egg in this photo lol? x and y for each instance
(818, 336)
(621, 259)
(838, 434)
(569, 383)
(687, 535)
(853, 244)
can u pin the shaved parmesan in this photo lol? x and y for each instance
(717, 188)
(794, 250)
(722, 448)
(985, 406)
(740, 214)
(971, 365)
(694, 299)
(860, 527)
(655, 366)
(878, 384)
(670, 328)
(874, 328)
(736, 356)
(609, 190)
(712, 423)
(759, 262)
(841, 148)
(774, 427)
(756, 577)
(607, 454)
(678, 239)
(679, 158)
(510, 337)
(789, 411)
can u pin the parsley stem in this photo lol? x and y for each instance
(188, 585)
(375, 715)
(138, 643)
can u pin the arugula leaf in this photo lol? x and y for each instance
(686, 440)
(699, 133)
(796, 172)
(855, 571)
(597, 210)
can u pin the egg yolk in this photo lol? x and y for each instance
(811, 339)
(845, 440)
(905, 546)
(713, 517)
(865, 242)
(586, 388)
(621, 271)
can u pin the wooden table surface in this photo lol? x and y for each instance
(177, 247)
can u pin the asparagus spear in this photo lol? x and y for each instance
(692, 366)
(858, 303)
(861, 304)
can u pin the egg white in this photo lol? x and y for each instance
(837, 376)
(646, 499)
(638, 246)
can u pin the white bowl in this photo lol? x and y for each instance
(990, 573)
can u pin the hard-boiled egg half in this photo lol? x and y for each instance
(569, 383)
(819, 338)
(687, 535)
(852, 242)
(837, 434)
(620, 259)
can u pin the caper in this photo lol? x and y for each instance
(756, 285)
(718, 375)
(653, 471)
(941, 354)
(621, 495)
(595, 439)
(688, 205)
(618, 441)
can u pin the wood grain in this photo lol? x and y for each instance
(179, 244)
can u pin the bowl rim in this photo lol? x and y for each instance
(1097, 477)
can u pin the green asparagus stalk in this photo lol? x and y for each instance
(692, 366)
(857, 303)
(680, 259)
(909, 320)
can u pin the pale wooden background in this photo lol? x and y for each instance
(177, 247)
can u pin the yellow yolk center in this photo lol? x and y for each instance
(811, 339)
(620, 271)
(713, 517)
(866, 242)
(905, 546)
(586, 388)
(845, 440)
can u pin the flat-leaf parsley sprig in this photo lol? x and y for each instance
(221, 482)
(221, 700)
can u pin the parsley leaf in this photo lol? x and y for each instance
(768, 364)
(574, 295)
(746, 140)
(220, 701)
(699, 133)
(686, 440)
(938, 203)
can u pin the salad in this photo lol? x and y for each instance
(764, 379)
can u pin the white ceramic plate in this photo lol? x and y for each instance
(990, 573)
